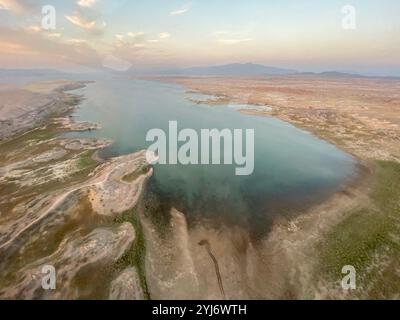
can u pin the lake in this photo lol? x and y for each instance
(293, 169)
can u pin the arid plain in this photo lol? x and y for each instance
(61, 204)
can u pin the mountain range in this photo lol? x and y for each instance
(234, 69)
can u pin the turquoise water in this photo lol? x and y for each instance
(293, 169)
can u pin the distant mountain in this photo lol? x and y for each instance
(333, 74)
(30, 72)
(234, 69)
(337, 74)
(245, 69)
(24, 76)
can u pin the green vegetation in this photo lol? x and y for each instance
(130, 177)
(74, 100)
(42, 135)
(136, 255)
(159, 216)
(22, 141)
(86, 161)
(369, 239)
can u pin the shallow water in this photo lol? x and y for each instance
(293, 169)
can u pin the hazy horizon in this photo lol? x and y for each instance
(307, 36)
(168, 70)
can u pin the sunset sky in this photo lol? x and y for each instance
(305, 35)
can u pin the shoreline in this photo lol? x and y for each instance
(331, 202)
(151, 238)
(78, 193)
(333, 123)
(311, 227)
(282, 265)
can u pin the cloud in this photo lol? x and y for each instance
(49, 48)
(79, 20)
(177, 12)
(55, 35)
(130, 36)
(91, 25)
(220, 33)
(15, 49)
(18, 6)
(136, 48)
(164, 35)
(234, 41)
(115, 63)
(120, 37)
(33, 29)
(182, 10)
(130, 40)
(229, 38)
(37, 29)
(135, 34)
(76, 41)
(138, 39)
(86, 3)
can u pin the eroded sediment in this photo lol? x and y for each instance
(100, 248)
(58, 206)
(22, 108)
(126, 286)
(179, 265)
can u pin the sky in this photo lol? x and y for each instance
(306, 35)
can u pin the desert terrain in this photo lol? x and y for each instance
(62, 205)
(359, 226)
(361, 115)
(59, 201)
